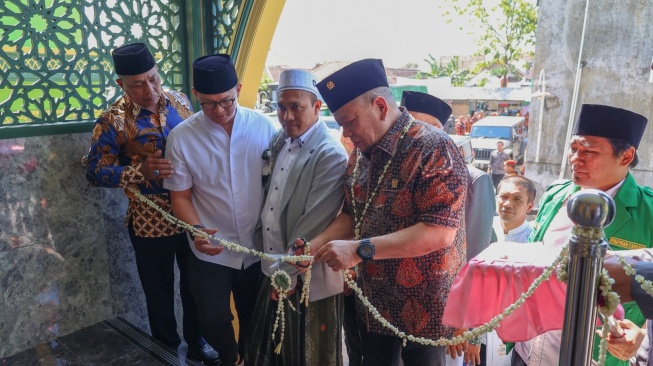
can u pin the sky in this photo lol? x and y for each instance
(398, 32)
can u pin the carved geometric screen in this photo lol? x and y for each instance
(224, 14)
(55, 60)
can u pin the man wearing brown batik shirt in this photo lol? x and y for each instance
(402, 224)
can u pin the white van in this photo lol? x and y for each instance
(487, 132)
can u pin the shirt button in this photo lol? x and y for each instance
(281, 169)
(271, 208)
(268, 229)
(276, 188)
(288, 149)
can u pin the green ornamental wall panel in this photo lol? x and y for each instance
(55, 62)
(223, 15)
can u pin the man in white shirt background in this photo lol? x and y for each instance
(515, 198)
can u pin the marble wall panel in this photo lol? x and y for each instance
(65, 257)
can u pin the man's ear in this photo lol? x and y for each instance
(530, 206)
(119, 82)
(627, 156)
(318, 105)
(238, 89)
(380, 104)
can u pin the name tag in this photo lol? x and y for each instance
(625, 243)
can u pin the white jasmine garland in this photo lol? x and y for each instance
(306, 288)
(225, 243)
(468, 335)
(359, 220)
(647, 286)
(281, 280)
(610, 298)
(293, 258)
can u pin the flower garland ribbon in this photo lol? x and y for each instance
(281, 281)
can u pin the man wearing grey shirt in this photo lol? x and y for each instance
(496, 168)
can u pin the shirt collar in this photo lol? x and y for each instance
(389, 141)
(301, 140)
(519, 228)
(613, 191)
(138, 110)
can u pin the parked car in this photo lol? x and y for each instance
(464, 143)
(334, 127)
(274, 119)
(487, 132)
(450, 125)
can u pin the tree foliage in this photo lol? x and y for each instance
(451, 69)
(507, 31)
(265, 81)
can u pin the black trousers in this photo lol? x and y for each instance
(352, 335)
(211, 285)
(483, 355)
(381, 350)
(155, 261)
(496, 178)
(516, 360)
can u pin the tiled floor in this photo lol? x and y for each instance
(111, 342)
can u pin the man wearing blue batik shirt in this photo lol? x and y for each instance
(127, 151)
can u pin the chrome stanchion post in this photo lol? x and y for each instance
(590, 210)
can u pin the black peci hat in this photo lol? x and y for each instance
(214, 74)
(132, 59)
(415, 101)
(610, 122)
(352, 81)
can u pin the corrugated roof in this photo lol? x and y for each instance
(476, 93)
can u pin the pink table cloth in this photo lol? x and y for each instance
(495, 279)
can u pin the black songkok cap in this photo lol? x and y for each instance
(610, 122)
(352, 81)
(132, 59)
(214, 74)
(425, 103)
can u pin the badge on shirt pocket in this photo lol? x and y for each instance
(622, 243)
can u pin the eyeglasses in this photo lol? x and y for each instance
(225, 103)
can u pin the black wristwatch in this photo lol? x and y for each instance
(191, 233)
(365, 250)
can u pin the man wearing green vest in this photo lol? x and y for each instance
(602, 150)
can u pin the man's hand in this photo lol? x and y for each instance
(473, 355)
(458, 349)
(299, 248)
(203, 245)
(156, 168)
(339, 254)
(625, 347)
(622, 282)
(274, 295)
